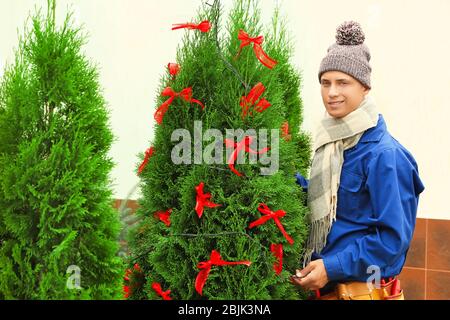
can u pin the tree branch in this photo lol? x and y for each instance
(216, 16)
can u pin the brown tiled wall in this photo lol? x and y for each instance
(128, 220)
(426, 274)
(132, 204)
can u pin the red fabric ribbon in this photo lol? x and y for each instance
(262, 105)
(128, 273)
(164, 216)
(185, 94)
(174, 68)
(203, 26)
(126, 292)
(243, 145)
(269, 214)
(259, 52)
(164, 294)
(148, 155)
(277, 250)
(214, 260)
(202, 200)
(250, 100)
(285, 131)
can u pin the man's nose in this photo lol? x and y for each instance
(333, 92)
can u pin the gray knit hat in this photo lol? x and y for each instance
(349, 54)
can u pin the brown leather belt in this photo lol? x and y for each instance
(362, 291)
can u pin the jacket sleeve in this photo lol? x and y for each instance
(302, 181)
(394, 186)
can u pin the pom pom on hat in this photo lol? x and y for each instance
(349, 33)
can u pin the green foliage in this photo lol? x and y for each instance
(169, 255)
(55, 198)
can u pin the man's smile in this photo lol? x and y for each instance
(335, 103)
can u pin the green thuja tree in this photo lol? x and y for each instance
(169, 254)
(58, 229)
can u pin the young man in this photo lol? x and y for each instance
(364, 186)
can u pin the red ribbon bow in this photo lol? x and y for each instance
(285, 131)
(126, 292)
(203, 26)
(137, 267)
(250, 100)
(202, 200)
(259, 52)
(128, 273)
(185, 94)
(164, 216)
(214, 260)
(164, 294)
(277, 250)
(244, 144)
(174, 68)
(269, 214)
(148, 155)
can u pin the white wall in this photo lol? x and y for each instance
(132, 42)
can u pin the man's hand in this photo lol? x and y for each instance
(313, 277)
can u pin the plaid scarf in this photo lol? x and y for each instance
(333, 137)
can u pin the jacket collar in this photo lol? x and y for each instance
(374, 134)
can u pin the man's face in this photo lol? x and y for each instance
(341, 93)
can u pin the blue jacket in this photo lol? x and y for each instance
(376, 210)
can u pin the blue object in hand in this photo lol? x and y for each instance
(302, 181)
